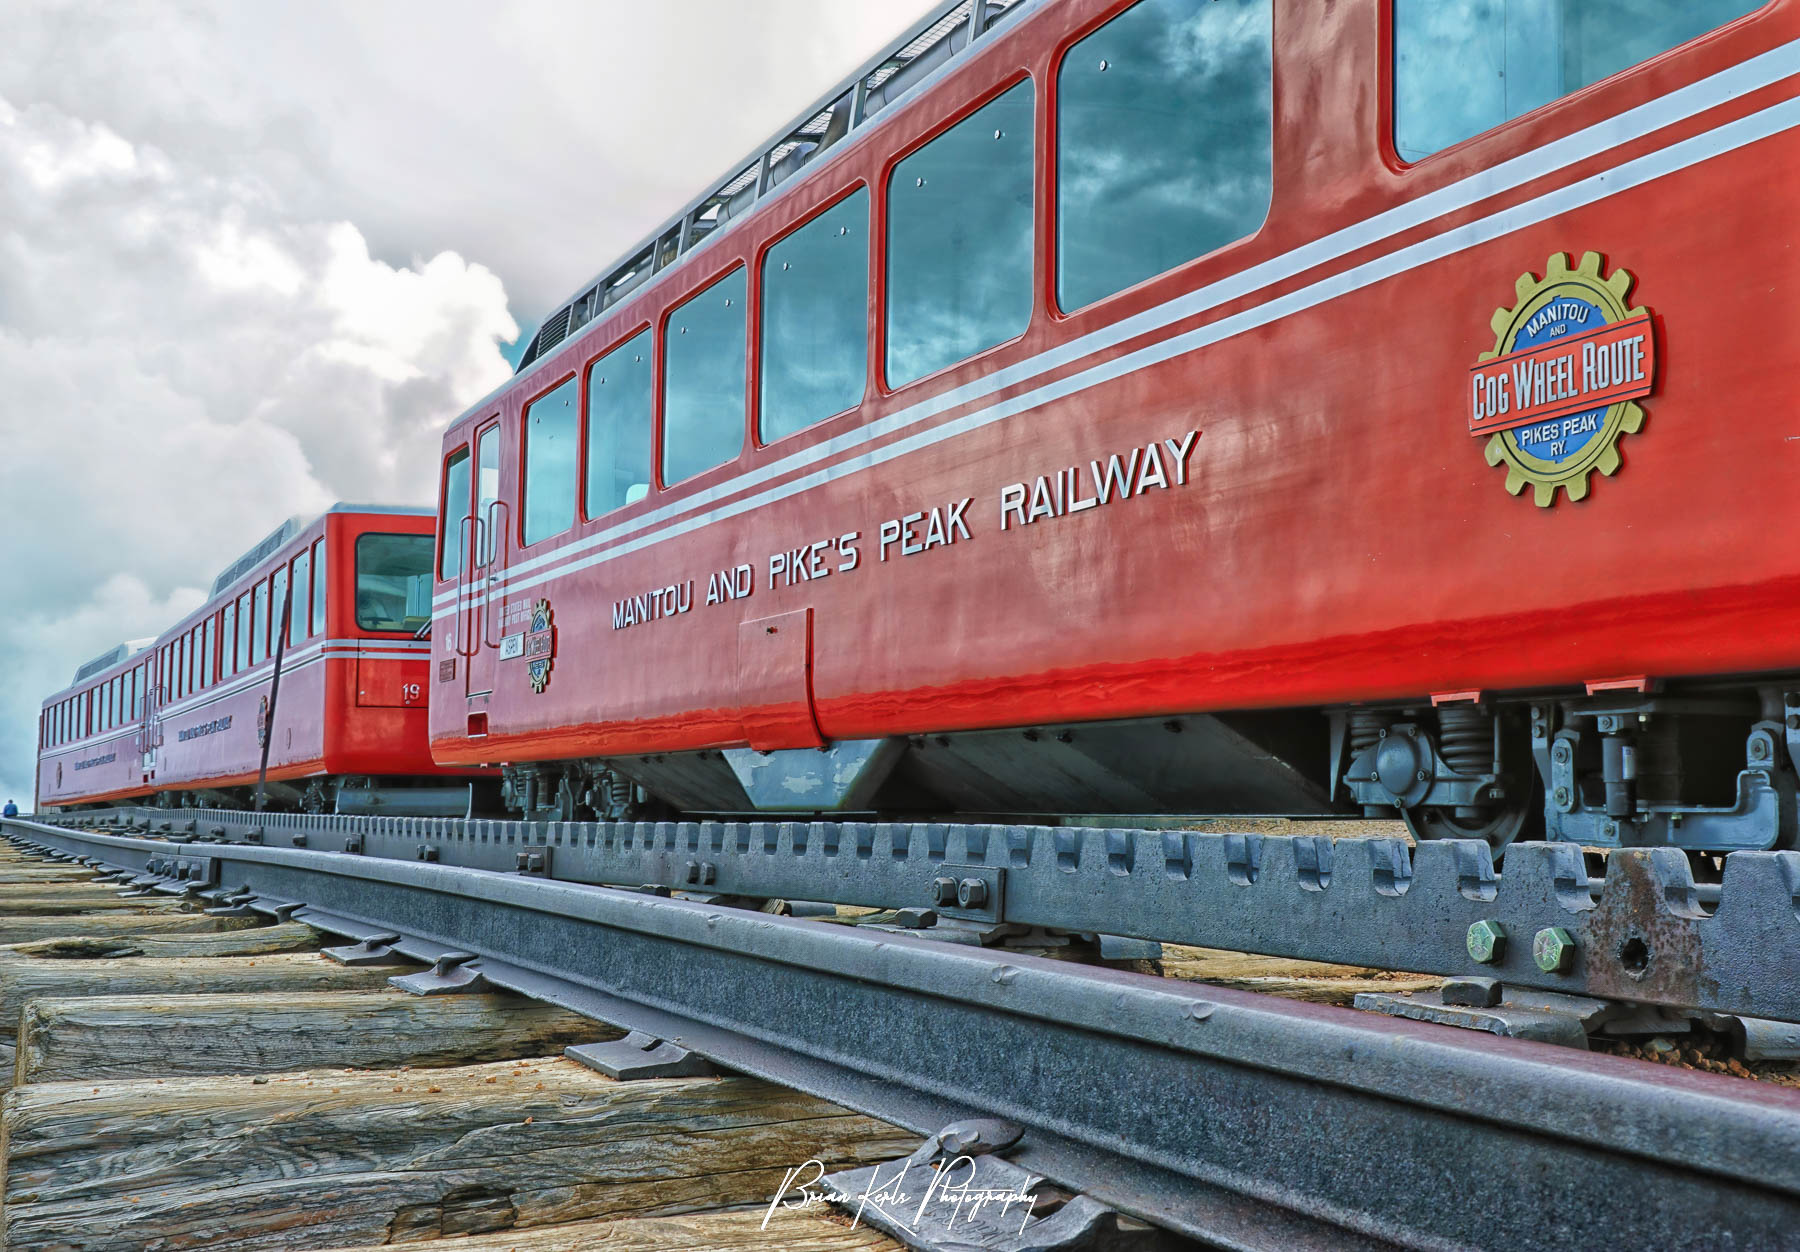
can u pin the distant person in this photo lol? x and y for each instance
(11, 810)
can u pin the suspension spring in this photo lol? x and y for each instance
(1366, 726)
(1466, 739)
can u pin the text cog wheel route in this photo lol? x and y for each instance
(1546, 475)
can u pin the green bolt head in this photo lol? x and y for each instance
(1487, 942)
(1554, 950)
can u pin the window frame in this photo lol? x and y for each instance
(445, 461)
(585, 374)
(1049, 250)
(1387, 81)
(320, 576)
(488, 549)
(259, 621)
(874, 310)
(297, 626)
(356, 580)
(882, 228)
(660, 387)
(524, 446)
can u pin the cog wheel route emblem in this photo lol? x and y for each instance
(1559, 389)
(540, 646)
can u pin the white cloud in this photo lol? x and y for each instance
(253, 257)
(185, 365)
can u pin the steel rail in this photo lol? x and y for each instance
(1645, 932)
(1246, 1121)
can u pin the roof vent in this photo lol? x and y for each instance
(112, 656)
(260, 553)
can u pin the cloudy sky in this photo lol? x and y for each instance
(254, 254)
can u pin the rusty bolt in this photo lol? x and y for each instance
(1554, 950)
(971, 893)
(943, 892)
(1487, 942)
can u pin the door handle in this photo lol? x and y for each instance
(468, 535)
(495, 563)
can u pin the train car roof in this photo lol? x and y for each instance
(855, 106)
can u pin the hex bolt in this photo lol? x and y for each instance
(693, 872)
(1759, 748)
(1561, 751)
(1487, 942)
(943, 892)
(971, 893)
(1554, 950)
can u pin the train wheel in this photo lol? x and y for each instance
(1499, 827)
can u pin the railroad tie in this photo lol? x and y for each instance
(325, 1158)
(787, 1230)
(216, 1083)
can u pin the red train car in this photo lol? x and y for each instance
(182, 719)
(1165, 406)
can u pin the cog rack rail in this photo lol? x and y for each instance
(1235, 1118)
(1644, 932)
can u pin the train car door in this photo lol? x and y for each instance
(149, 715)
(486, 563)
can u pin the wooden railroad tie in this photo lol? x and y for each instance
(185, 1080)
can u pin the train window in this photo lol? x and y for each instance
(815, 302)
(228, 642)
(960, 240)
(137, 694)
(318, 586)
(550, 436)
(393, 582)
(259, 622)
(1163, 142)
(487, 491)
(245, 613)
(703, 380)
(1464, 66)
(454, 509)
(618, 426)
(302, 599)
(209, 634)
(280, 609)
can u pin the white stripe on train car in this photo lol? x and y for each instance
(331, 649)
(1729, 84)
(1678, 156)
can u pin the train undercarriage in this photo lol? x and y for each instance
(1704, 767)
(350, 795)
